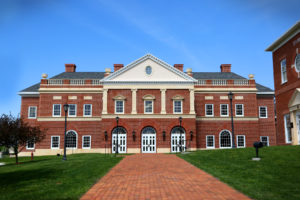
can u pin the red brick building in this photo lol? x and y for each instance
(149, 96)
(286, 68)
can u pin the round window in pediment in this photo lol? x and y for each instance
(148, 70)
(297, 63)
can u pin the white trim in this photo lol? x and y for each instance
(90, 146)
(221, 110)
(152, 106)
(75, 111)
(28, 147)
(220, 140)
(76, 139)
(116, 107)
(212, 110)
(267, 141)
(213, 142)
(286, 128)
(237, 141)
(174, 107)
(265, 93)
(242, 110)
(260, 113)
(281, 72)
(52, 142)
(84, 110)
(35, 113)
(59, 110)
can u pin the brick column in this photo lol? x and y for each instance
(104, 101)
(133, 110)
(163, 101)
(192, 101)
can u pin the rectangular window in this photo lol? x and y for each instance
(119, 106)
(87, 110)
(263, 113)
(265, 140)
(210, 141)
(86, 142)
(239, 110)
(32, 112)
(283, 71)
(72, 110)
(224, 110)
(55, 142)
(56, 110)
(287, 128)
(240, 141)
(148, 106)
(177, 106)
(209, 110)
(30, 144)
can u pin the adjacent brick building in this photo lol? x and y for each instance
(150, 97)
(286, 68)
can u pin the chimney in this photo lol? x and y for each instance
(189, 72)
(118, 66)
(107, 72)
(179, 67)
(70, 67)
(225, 67)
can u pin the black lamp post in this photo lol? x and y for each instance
(230, 95)
(117, 149)
(66, 107)
(180, 140)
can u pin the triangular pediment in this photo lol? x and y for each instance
(295, 99)
(160, 72)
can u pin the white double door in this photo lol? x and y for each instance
(175, 142)
(121, 143)
(148, 143)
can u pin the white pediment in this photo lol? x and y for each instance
(160, 72)
(295, 99)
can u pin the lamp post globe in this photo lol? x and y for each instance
(66, 107)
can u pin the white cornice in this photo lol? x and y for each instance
(29, 94)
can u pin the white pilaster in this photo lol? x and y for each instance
(163, 101)
(192, 101)
(104, 101)
(133, 110)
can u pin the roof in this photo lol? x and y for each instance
(216, 75)
(285, 37)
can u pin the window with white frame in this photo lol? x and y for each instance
(177, 106)
(283, 71)
(240, 141)
(148, 106)
(119, 106)
(72, 110)
(32, 112)
(209, 110)
(55, 142)
(287, 128)
(86, 142)
(239, 110)
(210, 141)
(265, 140)
(30, 144)
(224, 110)
(87, 110)
(225, 139)
(263, 112)
(56, 110)
(71, 140)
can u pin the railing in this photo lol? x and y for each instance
(201, 82)
(96, 82)
(55, 82)
(223, 82)
(76, 82)
(219, 82)
(241, 82)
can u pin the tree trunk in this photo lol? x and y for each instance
(16, 154)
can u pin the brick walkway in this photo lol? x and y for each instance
(159, 176)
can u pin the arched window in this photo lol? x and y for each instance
(148, 130)
(71, 139)
(178, 130)
(119, 130)
(225, 139)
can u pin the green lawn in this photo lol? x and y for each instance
(276, 176)
(48, 177)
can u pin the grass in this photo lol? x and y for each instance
(48, 177)
(276, 176)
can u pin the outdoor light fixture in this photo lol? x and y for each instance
(66, 107)
(117, 148)
(230, 96)
(164, 135)
(191, 134)
(105, 135)
(180, 139)
(133, 135)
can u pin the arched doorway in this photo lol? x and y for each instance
(119, 135)
(176, 146)
(225, 139)
(148, 140)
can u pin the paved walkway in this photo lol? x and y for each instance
(159, 176)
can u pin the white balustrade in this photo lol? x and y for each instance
(55, 82)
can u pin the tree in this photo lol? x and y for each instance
(15, 133)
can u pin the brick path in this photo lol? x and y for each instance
(159, 176)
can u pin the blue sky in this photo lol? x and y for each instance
(40, 36)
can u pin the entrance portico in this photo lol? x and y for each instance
(294, 107)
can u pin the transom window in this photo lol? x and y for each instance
(240, 140)
(265, 140)
(209, 110)
(225, 139)
(210, 141)
(30, 144)
(287, 128)
(32, 112)
(148, 130)
(177, 106)
(86, 142)
(56, 110)
(71, 139)
(224, 110)
(55, 142)
(72, 110)
(239, 110)
(263, 112)
(87, 110)
(283, 71)
(148, 70)
(148, 105)
(119, 106)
